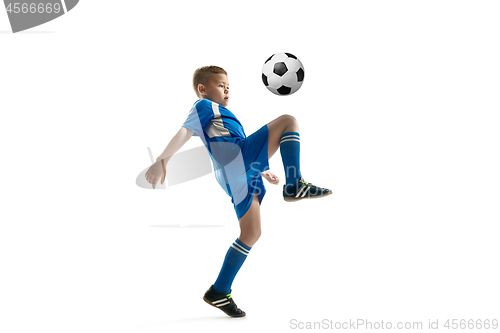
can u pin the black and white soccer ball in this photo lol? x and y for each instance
(283, 73)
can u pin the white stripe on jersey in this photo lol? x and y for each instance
(216, 125)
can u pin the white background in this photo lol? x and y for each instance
(398, 115)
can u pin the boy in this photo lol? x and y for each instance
(239, 163)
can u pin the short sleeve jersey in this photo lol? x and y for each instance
(209, 121)
(222, 134)
(238, 160)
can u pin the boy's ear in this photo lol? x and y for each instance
(201, 89)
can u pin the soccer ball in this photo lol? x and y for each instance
(283, 73)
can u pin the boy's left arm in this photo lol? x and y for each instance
(270, 177)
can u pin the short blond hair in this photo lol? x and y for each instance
(203, 74)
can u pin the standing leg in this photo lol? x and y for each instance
(219, 294)
(238, 251)
(250, 223)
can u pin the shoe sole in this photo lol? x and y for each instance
(292, 199)
(207, 301)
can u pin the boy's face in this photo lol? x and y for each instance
(217, 89)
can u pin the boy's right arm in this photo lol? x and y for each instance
(158, 170)
(176, 143)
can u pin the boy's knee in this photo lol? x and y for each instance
(290, 121)
(289, 118)
(250, 237)
(255, 234)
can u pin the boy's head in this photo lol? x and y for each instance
(211, 82)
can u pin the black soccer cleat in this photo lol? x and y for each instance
(303, 190)
(224, 302)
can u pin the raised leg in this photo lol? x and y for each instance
(277, 127)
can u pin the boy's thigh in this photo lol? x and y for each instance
(250, 223)
(251, 219)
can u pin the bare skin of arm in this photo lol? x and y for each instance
(270, 177)
(158, 170)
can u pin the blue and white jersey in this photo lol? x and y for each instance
(211, 120)
(238, 160)
(222, 134)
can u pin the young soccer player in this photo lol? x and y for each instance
(239, 163)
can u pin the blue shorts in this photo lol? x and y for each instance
(254, 150)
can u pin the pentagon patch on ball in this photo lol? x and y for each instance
(283, 73)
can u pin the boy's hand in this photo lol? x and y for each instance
(155, 172)
(270, 177)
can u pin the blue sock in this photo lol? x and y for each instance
(235, 257)
(290, 154)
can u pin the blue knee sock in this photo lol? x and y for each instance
(290, 154)
(235, 257)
